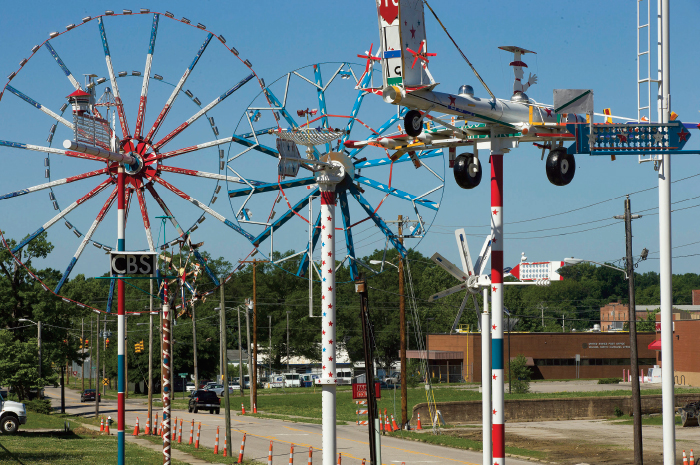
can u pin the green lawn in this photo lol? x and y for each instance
(203, 453)
(78, 446)
(656, 420)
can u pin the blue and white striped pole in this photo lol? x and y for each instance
(121, 333)
(498, 417)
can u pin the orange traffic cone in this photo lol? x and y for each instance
(179, 433)
(685, 459)
(291, 455)
(216, 442)
(692, 459)
(338, 458)
(394, 426)
(225, 447)
(136, 428)
(255, 408)
(363, 461)
(311, 456)
(387, 426)
(102, 424)
(418, 426)
(242, 409)
(155, 426)
(191, 432)
(147, 431)
(196, 441)
(107, 425)
(240, 452)
(269, 455)
(381, 423)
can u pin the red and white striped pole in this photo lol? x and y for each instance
(165, 381)
(216, 441)
(498, 424)
(311, 456)
(240, 453)
(121, 323)
(291, 448)
(328, 321)
(269, 455)
(196, 441)
(191, 432)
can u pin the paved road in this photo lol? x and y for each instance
(352, 440)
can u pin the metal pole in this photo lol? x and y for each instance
(498, 427)
(665, 263)
(194, 347)
(126, 359)
(402, 335)
(227, 400)
(287, 344)
(510, 380)
(38, 341)
(328, 324)
(254, 376)
(634, 366)
(166, 380)
(90, 344)
(486, 380)
(269, 335)
(104, 330)
(250, 358)
(121, 328)
(150, 352)
(240, 354)
(63, 390)
(97, 369)
(361, 288)
(82, 344)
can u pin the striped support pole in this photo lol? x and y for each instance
(291, 455)
(121, 329)
(311, 456)
(216, 442)
(269, 455)
(486, 379)
(165, 380)
(240, 453)
(196, 441)
(155, 425)
(179, 433)
(191, 432)
(498, 426)
(328, 322)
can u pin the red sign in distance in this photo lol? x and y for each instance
(389, 10)
(359, 391)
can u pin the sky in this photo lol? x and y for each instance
(579, 45)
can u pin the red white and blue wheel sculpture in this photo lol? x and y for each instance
(91, 131)
(279, 139)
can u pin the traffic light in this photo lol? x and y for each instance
(138, 347)
(107, 343)
(87, 343)
(81, 343)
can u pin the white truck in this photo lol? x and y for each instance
(12, 414)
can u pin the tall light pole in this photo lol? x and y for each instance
(38, 341)
(269, 336)
(248, 309)
(97, 367)
(287, 344)
(194, 349)
(227, 402)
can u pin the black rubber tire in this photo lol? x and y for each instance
(218, 411)
(195, 410)
(560, 166)
(9, 425)
(413, 123)
(464, 177)
(189, 409)
(211, 411)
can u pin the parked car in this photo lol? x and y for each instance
(205, 400)
(190, 387)
(394, 378)
(344, 377)
(217, 388)
(308, 380)
(12, 414)
(292, 380)
(89, 394)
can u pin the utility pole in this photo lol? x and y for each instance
(194, 350)
(150, 351)
(82, 346)
(373, 423)
(402, 337)
(90, 344)
(97, 367)
(126, 359)
(250, 369)
(38, 341)
(269, 336)
(63, 390)
(227, 403)
(104, 347)
(254, 375)
(287, 345)
(240, 352)
(634, 365)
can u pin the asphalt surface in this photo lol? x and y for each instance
(351, 439)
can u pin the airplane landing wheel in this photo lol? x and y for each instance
(561, 167)
(413, 121)
(467, 171)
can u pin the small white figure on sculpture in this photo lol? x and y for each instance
(519, 87)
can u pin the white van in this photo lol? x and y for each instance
(292, 379)
(344, 376)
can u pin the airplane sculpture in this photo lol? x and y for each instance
(470, 121)
(472, 277)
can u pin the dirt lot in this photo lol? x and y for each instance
(589, 441)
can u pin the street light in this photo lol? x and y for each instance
(379, 262)
(38, 325)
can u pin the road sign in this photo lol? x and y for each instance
(75, 373)
(182, 375)
(628, 139)
(105, 381)
(359, 391)
(132, 263)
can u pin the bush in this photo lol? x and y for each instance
(42, 406)
(609, 380)
(519, 375)
(618, 412)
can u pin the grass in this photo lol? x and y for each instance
(80, 445)
(314, 421)
(654, 420)
(203, 453)
(461, 443)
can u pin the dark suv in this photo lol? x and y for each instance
(89, 394)
(205, 400)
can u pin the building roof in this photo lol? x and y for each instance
(78, 93)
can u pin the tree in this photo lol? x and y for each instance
(519, 375)
(19, 365)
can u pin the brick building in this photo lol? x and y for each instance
(550, 355)
(614, 315)
(686, 362)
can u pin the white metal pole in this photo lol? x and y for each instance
(665, 263)
(486, 379)
(328, 375)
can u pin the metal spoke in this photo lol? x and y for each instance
(397, 193)
(193, 148)
(64, 68)
(254, 146)
(146, 221)
(286, 216)
(285, 114)
(377, 220)
(164, 112)
(204, 174)
(51, 184)
(402, 159)
(86, 239)
(146, 77)
(273, 186)
(303, 265)
(382, 129)
(38, 105)
(113, 79)
(159, 145)
(63, 213)
(349, 244)
(355, 109)
(180, 231)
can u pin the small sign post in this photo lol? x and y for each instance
(359, 390)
